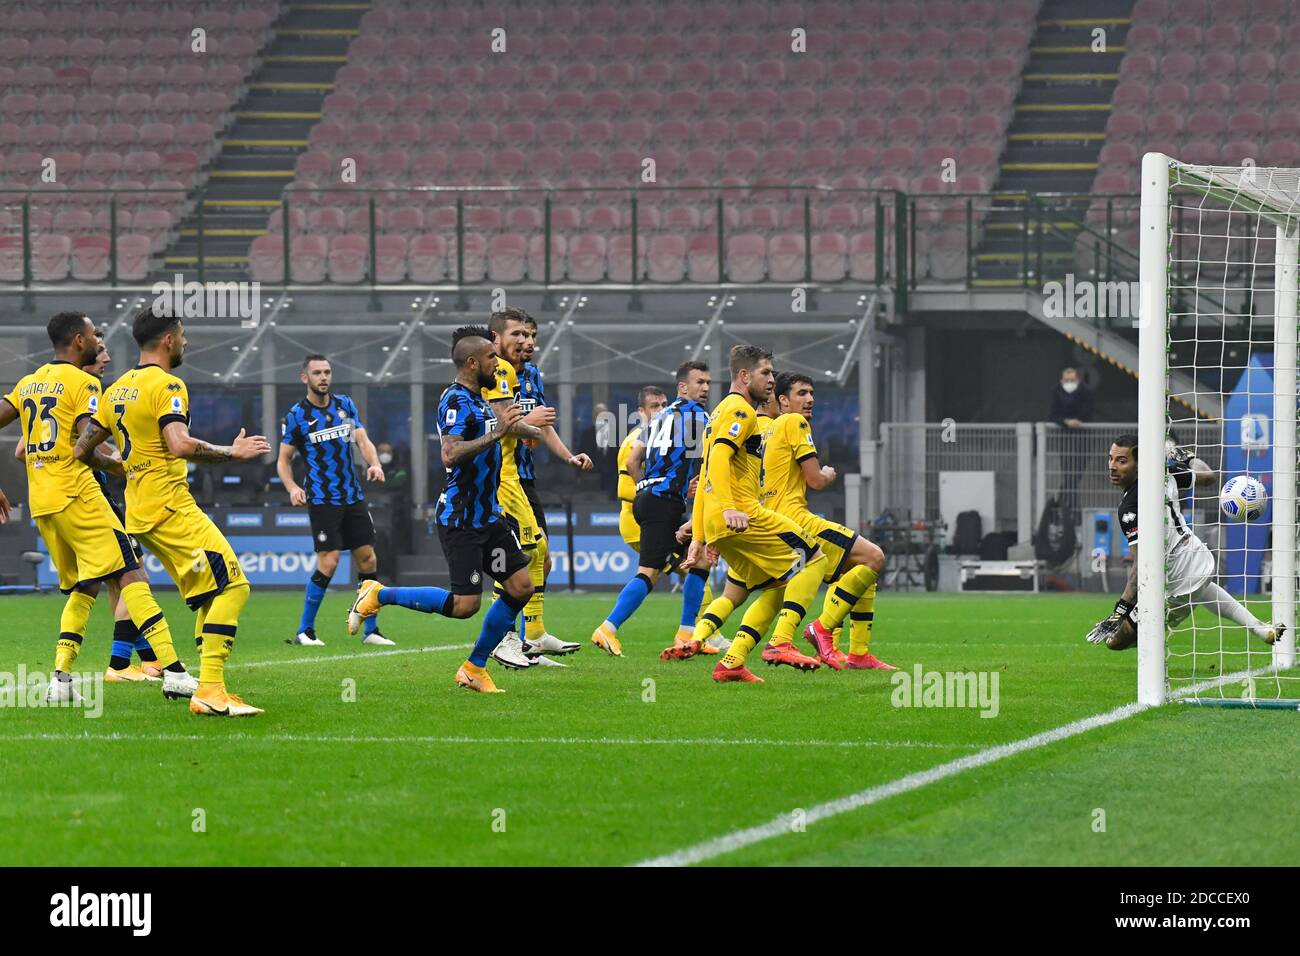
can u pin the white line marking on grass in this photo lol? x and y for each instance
(346, 657)
(508, 741)
(738, 839)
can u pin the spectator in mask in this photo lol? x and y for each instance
(1071, 407)
(394, 466)
(1071, 400)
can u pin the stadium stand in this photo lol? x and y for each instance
(591, 90)
(118, 100)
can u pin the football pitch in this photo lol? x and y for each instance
(373, 757)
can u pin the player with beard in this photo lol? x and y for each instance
(475, 537)
(530, 393)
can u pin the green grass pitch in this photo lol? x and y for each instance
(613, 761)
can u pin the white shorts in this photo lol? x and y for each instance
(1188, 568)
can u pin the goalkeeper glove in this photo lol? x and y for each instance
(1179, 459)
(1110, 627)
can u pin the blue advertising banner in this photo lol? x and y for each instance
(597, 559)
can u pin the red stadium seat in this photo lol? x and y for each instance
(862, 256)
(666, 258)
(427, 258)
(538, 257)
(51, 257)
(90, 258)
(133, 257)
(746, 258)
(702, 258)
(829, 257)
(787, 259)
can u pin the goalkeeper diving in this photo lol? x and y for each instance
(1189, 564)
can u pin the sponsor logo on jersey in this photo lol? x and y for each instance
(329, 434)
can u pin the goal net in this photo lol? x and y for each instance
(1217, 374)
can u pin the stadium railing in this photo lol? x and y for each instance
(967, 240)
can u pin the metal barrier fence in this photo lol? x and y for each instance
(1009, 471)
(924, 467)
(465, 235)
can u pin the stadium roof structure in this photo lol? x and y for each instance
(393, 338)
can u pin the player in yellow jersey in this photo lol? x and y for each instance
(530, 395)
(764, 551)
(126, 639)
(147, 410)
(510, 331)
(85, 539)
(685, 645)
(790, 468)
(651, 400)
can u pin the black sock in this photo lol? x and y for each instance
(124, 632)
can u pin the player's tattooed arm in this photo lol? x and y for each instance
(91, 436)
(7, 412)
(456, 449)
(518, 426)
(184, 445)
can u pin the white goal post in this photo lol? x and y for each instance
(1219, 253)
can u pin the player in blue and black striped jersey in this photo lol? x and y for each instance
(671, 455)
(471, 527)
(322, 428)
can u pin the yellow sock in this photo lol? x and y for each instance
(148, 617)
(862, 615)
(714, 616)
(757, 619)
(199, 618)
(705, 601)
(843, 594)
(219, 628)
(799, 592)
(758, 616)
(534, 626)
(72, 628)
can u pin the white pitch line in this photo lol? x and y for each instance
(738, 839)
(345, 657)
(487, 741)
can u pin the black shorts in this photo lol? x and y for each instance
(534, 499)
(472, 552)
(341, 527)
(120, 511)
(659, 517)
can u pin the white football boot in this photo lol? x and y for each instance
(550, 644)
(308, 638)
(179, 684)
(510, 653)
(62, 692)
(377, 640)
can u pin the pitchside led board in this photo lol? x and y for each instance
(281, 554)
(1248, 450)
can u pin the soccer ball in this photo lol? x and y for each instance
(1243, 499)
